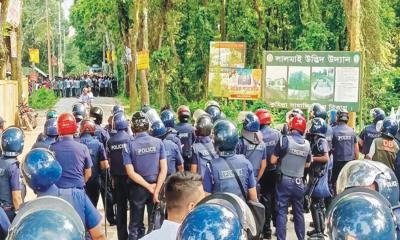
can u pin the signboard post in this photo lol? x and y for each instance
(297, 79)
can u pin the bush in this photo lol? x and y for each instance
(42, 99)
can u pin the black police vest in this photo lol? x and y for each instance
(5, 192)
(116, 145)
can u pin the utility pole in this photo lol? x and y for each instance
(60, 46)
(48, 41)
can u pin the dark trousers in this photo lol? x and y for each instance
(68, 92)
(268, 198)
(93, 190)
(139, 197)
(186, 163)
(337, 167)
(121, 195)
(290, 190)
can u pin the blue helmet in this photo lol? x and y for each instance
(12, 141)
(168, 118)
(225, 136)
(50, 127)
(377, 114)
(158, 129)
(332, 116)
(317, 110)
(251, 123)
(210, 221)
(40, 169)
(117, 109)
(214, 112)
(47, 218)
(360, 214)
(318, 127)
(119, 121)
(389, 127)
(365, 173)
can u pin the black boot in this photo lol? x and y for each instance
(314, 214)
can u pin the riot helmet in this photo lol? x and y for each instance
(79, 111)
(318, 127)
(97, 113)
(87, 126)
(51, 114)
(377, 114)
(264, 116)
(158, 129)
(12, 141)
(50, 127)
(66, 124)
(317, 110)
(251, 123)
(116, 109)
(389, 127)
(140, 123)
(225, 136)
(342, 115)
(203, 126)
(183, 114)
(297, 122)
(168, 118)
(119, 121)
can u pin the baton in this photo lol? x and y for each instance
(105, 205)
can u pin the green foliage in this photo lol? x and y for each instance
(43, 99)
(73, 64)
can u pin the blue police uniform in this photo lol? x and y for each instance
(45, 143)
(174, 157)
(102, 135)
(4, 224)
(80, 201)
(255, 153)
(268, 181)
(293, 152)
(201, 149)
(74, 158)
(172, 135)
(187, 136)
(144, 153)
(9, 182)
(115, 147)
(368, 134)
(343, 142)
(219, 177)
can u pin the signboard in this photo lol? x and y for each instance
(13, 43)
(14, 12)
(298, 79)
(143, 60)
(227, 54)
(34, 55)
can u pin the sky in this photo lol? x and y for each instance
(66, 6)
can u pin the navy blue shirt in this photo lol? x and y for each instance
(172, 135)
(174, 157)
(80, 201)
(144, 152)
(102, 135)
(116, 145)
(187, 136)
(271, 138)
(44, 143)
(74, 158)
(368, 134)
(96, 151)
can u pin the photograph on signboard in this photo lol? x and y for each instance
(322, 83)
(299, 83)
(346, 88)
(244, 84)
(276, 82)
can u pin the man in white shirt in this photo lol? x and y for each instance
(183, 190)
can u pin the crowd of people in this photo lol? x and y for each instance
(72, 86)
(206, 180)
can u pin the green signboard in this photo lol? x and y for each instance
(297, 79)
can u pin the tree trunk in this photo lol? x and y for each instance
(19, 60)
(143, 73)
(134, 32)
(258, 51)
(162, 87)
(222, 20)
(3, 48)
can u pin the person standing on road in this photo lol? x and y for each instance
(146, 165)
(219, 175)
(68, 86)
(294, 154)
(185, 134)
(73, 156)
(168, 118)
(12, 143)
(115, 147)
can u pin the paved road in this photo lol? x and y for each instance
(65, 105)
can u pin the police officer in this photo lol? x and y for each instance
(185, 134)
(318, 182)
(100, 162)
(116, 109)
(41, 171)
(344, 144)
(229, 172)
(50, 129)
(269, 178)
(214, 110)
(174, 157)
(294, 155)
(79, 112)
(101, 134)
(146, 165)
(252, 146)
(369, 133)
(115, 146)
(12, 143)
(51, 114)
(289, 116)
(73, 156)
(168, 118)
(384, 149)
(203, 149)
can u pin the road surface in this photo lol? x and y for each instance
(65, 105)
